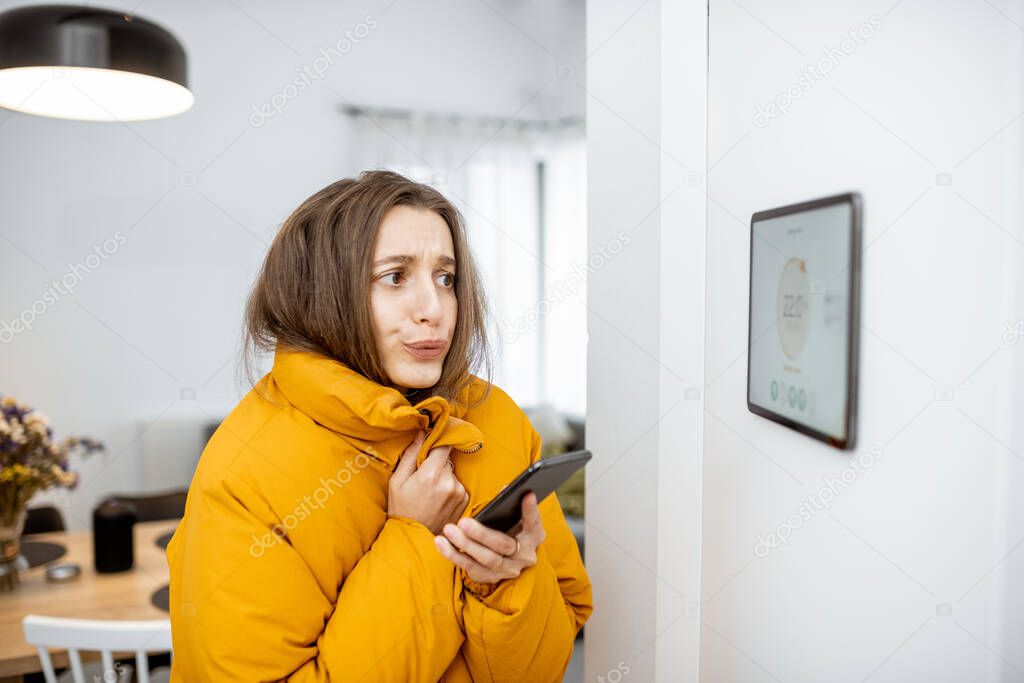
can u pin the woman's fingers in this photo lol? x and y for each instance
(474, 569)
(430, 494)
(407, 463)
(484, 555)
(488, 555)
(436, 462)
(500, 543)
(532, 524)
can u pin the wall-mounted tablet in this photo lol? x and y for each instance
(804, 313)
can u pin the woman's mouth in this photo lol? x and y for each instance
(427, 350)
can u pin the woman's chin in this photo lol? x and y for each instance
(418, 377)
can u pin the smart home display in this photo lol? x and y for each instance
(804, 291)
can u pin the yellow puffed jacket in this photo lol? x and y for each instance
(286, 565)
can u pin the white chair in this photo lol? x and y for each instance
(106, 637)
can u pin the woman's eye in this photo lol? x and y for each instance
(389, 279)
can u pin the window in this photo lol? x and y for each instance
(522, 191)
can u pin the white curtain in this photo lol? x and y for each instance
(491, 173)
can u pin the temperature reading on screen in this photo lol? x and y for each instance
(794, 290)
(794, 306)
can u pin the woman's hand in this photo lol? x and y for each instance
(487, 555)
(431, 494)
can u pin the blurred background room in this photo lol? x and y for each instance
(156, 229)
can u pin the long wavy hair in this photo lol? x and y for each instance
(313, 290)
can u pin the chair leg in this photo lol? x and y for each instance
(76, 666)
(142, 667)
(44, 659)
(108, 664)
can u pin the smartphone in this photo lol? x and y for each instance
(503, 513)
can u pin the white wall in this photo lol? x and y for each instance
(198, 197)
(913, 574)
(646, 155)
(856, 593)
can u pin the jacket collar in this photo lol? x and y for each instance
(378, 420)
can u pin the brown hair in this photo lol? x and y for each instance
(313, 291)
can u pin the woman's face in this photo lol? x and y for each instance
(412, 297)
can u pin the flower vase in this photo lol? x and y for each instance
(11, 562)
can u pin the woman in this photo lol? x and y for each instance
(328, 532)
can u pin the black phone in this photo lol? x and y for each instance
(504, 511)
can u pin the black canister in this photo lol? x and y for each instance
(113, 538)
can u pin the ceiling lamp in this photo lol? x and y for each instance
(74, 62)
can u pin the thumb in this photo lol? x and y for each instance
(407, 463)
(531, 513)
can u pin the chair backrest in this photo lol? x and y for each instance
(106, 637)
(156, 506)
(43, 520)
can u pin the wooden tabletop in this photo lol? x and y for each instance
(125, 595)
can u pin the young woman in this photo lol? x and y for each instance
(328, 534)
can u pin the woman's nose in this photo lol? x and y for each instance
(427, 301)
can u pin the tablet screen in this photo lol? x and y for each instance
(803, 300)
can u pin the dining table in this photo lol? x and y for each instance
(126, 595)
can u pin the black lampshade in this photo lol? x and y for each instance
(76, 62)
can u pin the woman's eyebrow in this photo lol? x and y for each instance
(405, 258)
